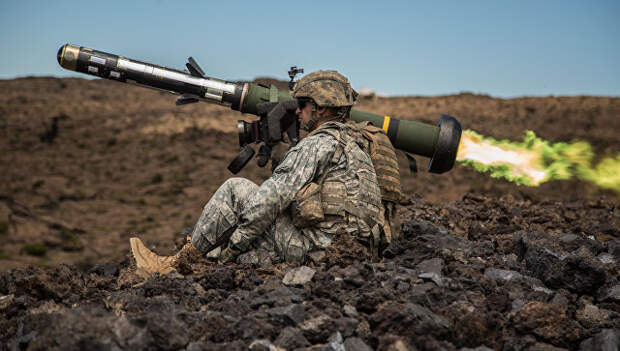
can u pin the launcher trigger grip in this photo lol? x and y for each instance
(264, 154)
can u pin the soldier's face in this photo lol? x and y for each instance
(304, 114)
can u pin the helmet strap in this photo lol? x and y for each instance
(311, 124)
(344, 112)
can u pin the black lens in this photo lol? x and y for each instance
(245, 134)
(248, 132)
(302, 102)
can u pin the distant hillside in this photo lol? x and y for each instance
(88, 163)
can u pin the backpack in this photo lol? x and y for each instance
(383, 156)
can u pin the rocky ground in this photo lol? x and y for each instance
(467, 275)
(483, 263)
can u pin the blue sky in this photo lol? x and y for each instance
(502, 48)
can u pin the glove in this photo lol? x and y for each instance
(280, 117)
(228, 255)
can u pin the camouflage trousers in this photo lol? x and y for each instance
(281, 242)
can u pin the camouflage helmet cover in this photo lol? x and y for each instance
(326, 88)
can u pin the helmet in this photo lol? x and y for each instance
(326, 88)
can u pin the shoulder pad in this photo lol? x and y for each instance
(365, 125)
(332, 128)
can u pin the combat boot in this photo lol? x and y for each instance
(149, 263)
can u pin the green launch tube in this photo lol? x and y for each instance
(439, 143)
(414, 137)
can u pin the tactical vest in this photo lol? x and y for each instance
(326, 197)
(342, 191)
(384, 160)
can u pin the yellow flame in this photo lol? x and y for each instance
(522, 163)
(535, 160)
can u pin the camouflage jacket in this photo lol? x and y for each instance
(302, 164)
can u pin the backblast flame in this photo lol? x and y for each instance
(519, 165)
(535, 161)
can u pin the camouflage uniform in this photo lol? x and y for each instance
(264, 215)
(325, 186)
(234, 203)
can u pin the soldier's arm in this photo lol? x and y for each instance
(300, 166)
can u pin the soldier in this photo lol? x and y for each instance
(325, 186)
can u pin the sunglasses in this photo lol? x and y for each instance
(302, 102)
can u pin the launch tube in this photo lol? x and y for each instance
(415, 137)
(440, 142)
(121, 69)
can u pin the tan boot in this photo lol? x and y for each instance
(149, 263)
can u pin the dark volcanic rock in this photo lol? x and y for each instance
(356, 344)
(318, 329)
(57, 283)
(579, 274)
(548, 322)
(409, 319)
(502, 274)
(291, 338)
(290, 315)
(472, 326)
(105, 269)
(434, 265)
(611, 294)
(283, 296)
(613, 247)
(591, 316)
(298, 276)
(463, 277)
(606, 340)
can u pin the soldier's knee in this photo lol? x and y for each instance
(238, 181)
(241, 188)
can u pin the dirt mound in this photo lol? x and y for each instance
(496, 285)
